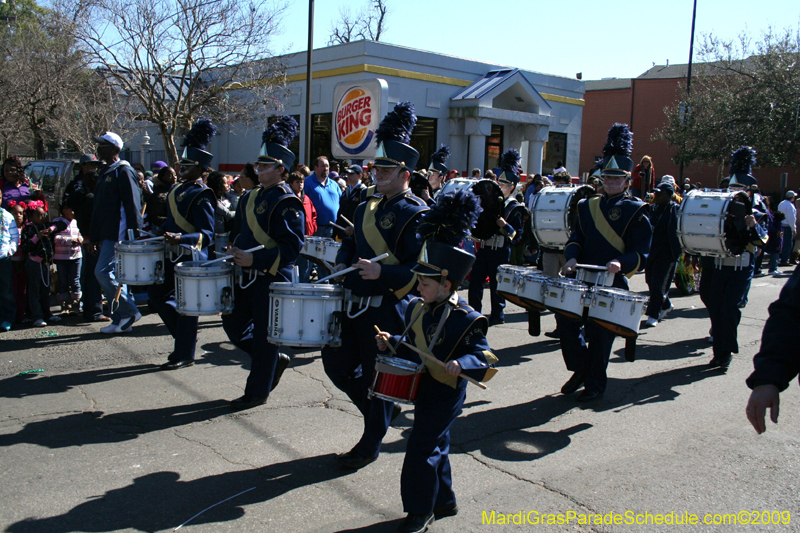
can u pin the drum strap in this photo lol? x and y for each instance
(371, 233)
(176, 214)
(436, 371)
(603, 226)
(258, 232)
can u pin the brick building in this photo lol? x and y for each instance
(640, 103)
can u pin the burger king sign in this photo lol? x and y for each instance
(358, 108)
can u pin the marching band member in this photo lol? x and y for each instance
(443, 325)
(612, 231)
(377, 292)
(497, 250)
(437, 170)
(727, 281)
(270, 215)
(190, 221)
(351, 197)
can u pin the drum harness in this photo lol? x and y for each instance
(439, 327)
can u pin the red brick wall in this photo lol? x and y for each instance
(642, 107)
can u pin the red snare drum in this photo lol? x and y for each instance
(395, 379)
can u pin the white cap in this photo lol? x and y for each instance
(110, 137)
(667, 179)
(790, 194)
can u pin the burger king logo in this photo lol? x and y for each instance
(354, 115)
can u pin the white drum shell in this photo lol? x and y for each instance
(566, 296)
(321, 248)
(701, 222)
(139, 264)
(618, 307)
(532, 285)
(300, 314)
(202, 290)
(550, 216)
(508, 278)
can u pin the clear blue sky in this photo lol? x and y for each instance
(600, 39)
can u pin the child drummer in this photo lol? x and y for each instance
(457, 334)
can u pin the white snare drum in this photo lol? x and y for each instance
(321, 248)
(221, 243)
(617, 310)
(305, 314)
(531, 288)
(395, 379)
(553, 212)
(703, 217)
(139, 264)
(203, 290)
(566, 297)
(509, 278)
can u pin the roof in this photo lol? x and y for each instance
(608, 84)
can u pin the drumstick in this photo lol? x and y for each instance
(432, 359)
(350, 269)
(391, 348)
(226, 257)
(337, 226)
(152, 239)
(348, 222)
(591, 267)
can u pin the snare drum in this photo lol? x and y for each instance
(617, 310)
(221, 243)
(321, 248)
(708, 222)
(554, 211)
(203, 290)
(395, 379)
(139, 264)
(566, 297)
(508, 277)
(305, 314)
(531, 287)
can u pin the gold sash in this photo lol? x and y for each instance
(604, 227)
(176, 215)
(258, 232)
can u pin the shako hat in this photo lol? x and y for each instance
(741, 171)
(393, 138)
(439, 158)
(195, 142)
(274, 142)
(508, 172)
(442, 228)
(617, 151)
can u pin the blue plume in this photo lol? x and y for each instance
(619, 141)
(397, 125)
(510, 160)
(441, 155)
(200, 135)
(281, 132)
(742, 160)
(451, 218)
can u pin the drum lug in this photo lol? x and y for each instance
(226, 297)
(159, 269)
(334, 324)
(611, 306)
(564, 294)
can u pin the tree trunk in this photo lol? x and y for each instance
(169, 146)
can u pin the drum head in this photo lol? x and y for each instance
(581, 193)
(735, 228)
(492, 203)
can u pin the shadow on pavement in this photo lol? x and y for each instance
(32, 385)
(161, 501)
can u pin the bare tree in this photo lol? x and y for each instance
(369, 23)
(173, 61)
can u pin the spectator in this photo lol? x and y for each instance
(304, 170)
(665, 249)
(88, 163)
(232, 195)
(19, 274)
(117, 211)
(643, 178)
(775, 234)
(157, 200)
(533, 187)
(15, 185)
(223, 213)
(789, 223)
(248, 179)
(9, 239)
(68, 257)
(559, 168)
(324, 193)
(490, 175)
(295, 181)
(475, 174)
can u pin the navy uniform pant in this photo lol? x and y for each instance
(426, 481)
(727, 288)
(351, 368)
(486, 262)
(247, 327)
(586, 351)
(659, 275)
(182, 328)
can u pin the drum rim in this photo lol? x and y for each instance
(621, 294)
(568, 283)
(285, 286)
(406, 363)
(184, 268)
(147, 247)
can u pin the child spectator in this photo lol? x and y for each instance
(68, 261)
(37, 242)
(19, 275)
(9, 238)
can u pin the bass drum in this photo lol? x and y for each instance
(711, 223)
(492, 203)
(554, 211)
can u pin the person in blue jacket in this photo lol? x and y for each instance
(613, 230)
(271, 215)
(443, 325)
(190, 222)
(377, 292)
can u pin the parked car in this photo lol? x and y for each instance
(52, 177)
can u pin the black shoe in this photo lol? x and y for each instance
(415, 523)
(354, 461)
(443, 511)
(721, 362)
(494, 321)
(396, 410)
(280, 367)
(247, 402)
(175, 365)
(572, 384)
(587, 396)
(553, 334)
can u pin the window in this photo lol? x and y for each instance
(321, 131)
(555, 150)
(423, 140)
(494, 147)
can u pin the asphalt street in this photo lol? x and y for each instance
(103, 441)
